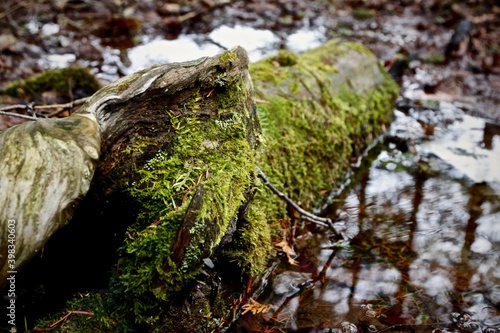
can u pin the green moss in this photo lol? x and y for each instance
(314, 123)
(227, 56)
(187, 193)
(253, 238)
(212, 153)
(68, 82)
(435, 58)
(93, 316)
(286, 58)
(357, 47)
(362, 13)
(229, 98)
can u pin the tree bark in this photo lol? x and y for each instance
(49, 164)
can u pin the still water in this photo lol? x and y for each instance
(423, 219)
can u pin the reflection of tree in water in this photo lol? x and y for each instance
(410, 306)
(381, 280)
(464, 272)
(398, 254)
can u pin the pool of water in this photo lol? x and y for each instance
(422, 216)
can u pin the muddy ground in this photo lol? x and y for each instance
(445, 50)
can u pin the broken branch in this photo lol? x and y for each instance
(5, 109)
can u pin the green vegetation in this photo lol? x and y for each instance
(363, 13)
(165, 188)
(314, 123)
(67, 82)
(191, 189)
(435, 58)
(186, 195)
(227, 57)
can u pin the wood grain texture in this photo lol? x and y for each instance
(47, 167)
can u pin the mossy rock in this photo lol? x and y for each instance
(68, 83)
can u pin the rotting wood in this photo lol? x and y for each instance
(49, 163)
(145, 118)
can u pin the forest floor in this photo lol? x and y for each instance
(449, 50)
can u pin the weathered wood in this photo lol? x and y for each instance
(47, 167)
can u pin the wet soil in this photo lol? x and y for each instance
(423, 42)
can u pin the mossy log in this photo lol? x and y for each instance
(319, 111)
(179, 144)
(125, 132)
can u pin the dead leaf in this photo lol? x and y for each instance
(255, 307)
(287, 249)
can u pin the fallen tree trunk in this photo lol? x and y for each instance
(319, 112)
(177, 160)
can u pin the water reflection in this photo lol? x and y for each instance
(424, 256)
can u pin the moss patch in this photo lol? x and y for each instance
(188, 195)
(71, 83)
(317, 117)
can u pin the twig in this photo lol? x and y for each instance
(62, 319)
(11, 114)
(323, 221)
(69, 105)
(12, 9)
(4, 110)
